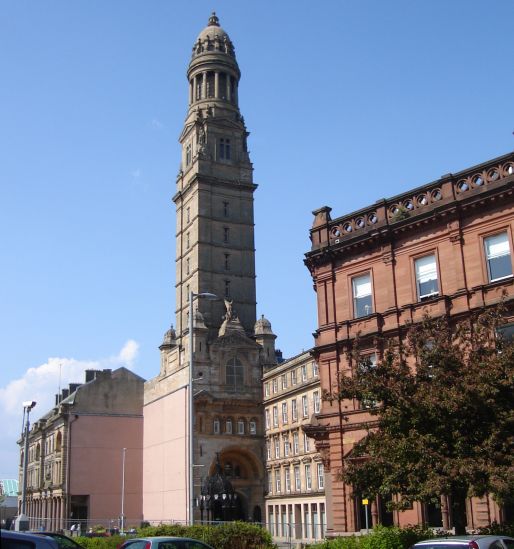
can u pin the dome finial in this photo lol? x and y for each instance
(213, 20)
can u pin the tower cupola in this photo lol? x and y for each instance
(264, 336)
(213, 73)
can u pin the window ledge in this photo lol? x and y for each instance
(508, 280)
(428, 297)
(501, 280)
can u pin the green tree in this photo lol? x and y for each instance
(444, 415)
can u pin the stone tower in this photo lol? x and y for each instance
(215, 254)
(214, 199)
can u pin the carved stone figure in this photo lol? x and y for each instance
(228, 305)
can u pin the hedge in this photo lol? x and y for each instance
(230, 535)
(381, 537)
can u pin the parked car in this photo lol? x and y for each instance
(164, 542)
(64, 542)
(25, 540)
(467, 542)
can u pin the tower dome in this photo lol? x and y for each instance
(198, 319)
(213, 39)
(263, 327)
(169, 337)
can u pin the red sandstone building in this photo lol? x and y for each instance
(445, 249)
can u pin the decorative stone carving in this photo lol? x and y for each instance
(228, 306)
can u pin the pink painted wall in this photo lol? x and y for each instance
(96, 465)
(165, 458)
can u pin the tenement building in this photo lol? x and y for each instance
(295, 502)
(216, 307)
(444, 248)
(78, 450)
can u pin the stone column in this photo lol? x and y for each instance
(217, 84)
(204, 85)
(60, 514)
(191, 91)
(228, 87)
(54, 513)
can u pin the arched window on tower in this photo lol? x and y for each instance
(189, 155)
(198, 90)
(234, 374)
(223, 85)
(210, 84)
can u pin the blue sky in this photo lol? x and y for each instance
(346, 102)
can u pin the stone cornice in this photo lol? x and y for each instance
(382, 221)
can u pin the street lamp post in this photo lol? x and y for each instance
(22, 521)
(122, 525)
(192, 297)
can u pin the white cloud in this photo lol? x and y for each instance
(157, 124)
(41, 383)
(128, 353)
